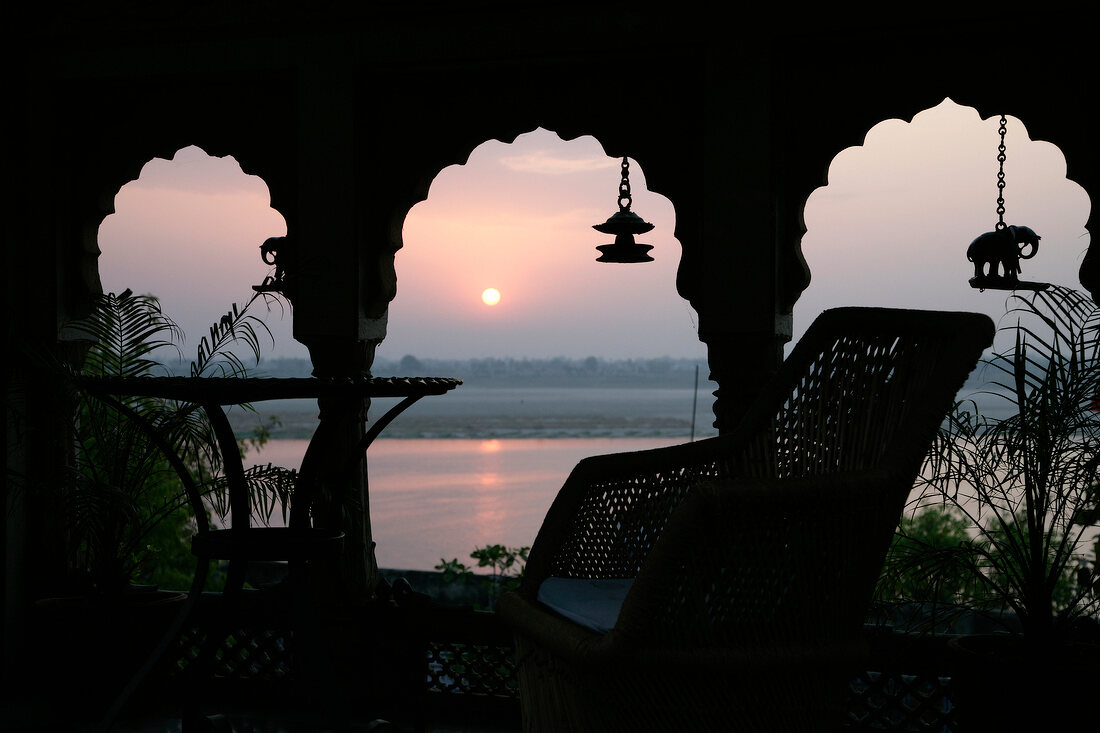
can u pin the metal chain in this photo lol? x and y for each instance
(624, 187)
(1001, 175)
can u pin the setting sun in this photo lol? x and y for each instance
(490, 296)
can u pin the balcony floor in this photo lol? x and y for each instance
(289, 723)
(30, 716)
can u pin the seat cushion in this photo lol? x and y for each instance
(592, 603)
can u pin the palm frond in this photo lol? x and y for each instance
(124, 331)
(270, 487)
(216, 353)
(1022, 481)
(134, 456)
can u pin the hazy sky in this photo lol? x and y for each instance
(893, 225)
(891, 228)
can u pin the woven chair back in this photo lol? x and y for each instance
(864, 389)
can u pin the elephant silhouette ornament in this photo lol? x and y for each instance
(1001, 251)
(274, 252)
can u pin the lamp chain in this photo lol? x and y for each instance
(624, 187)
(1001, 175)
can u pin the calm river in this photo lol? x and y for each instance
(481, 466)
(442, 498)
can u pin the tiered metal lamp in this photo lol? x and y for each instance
(624, 224)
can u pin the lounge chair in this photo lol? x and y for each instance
(723, 584)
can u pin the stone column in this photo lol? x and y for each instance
(343, 502)
(325, 236)
(733, 276)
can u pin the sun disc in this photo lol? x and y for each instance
(490, 296)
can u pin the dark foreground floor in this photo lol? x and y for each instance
(42, 710)
(240, 722)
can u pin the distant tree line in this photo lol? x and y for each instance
(508, 368)
(505, 371)
(559, 366)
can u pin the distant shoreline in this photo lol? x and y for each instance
(479, 412)
(505, 427)
(582, 406)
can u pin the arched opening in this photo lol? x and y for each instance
(518, 217)
(188, 231)
(892, 226)
(576, 357)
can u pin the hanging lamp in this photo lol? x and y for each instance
(996, 255)
(624, 224)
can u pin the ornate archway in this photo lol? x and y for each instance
(348, 116)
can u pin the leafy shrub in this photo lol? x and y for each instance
(506, 563)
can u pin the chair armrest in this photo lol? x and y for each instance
(537, 623)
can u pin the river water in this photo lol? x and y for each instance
(481, 466)
(433, 499)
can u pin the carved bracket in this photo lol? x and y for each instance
(275, 251)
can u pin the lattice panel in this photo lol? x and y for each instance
(245, 654)
(900, 702)
(471, 669)
(877, 701)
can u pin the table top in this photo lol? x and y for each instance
(239, 390)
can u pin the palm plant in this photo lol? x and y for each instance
(1025, 483)
(924, 546)
(124, 492)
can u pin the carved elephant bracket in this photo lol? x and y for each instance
(996, 256)
(275, 251)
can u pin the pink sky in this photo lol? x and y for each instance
(891, 228)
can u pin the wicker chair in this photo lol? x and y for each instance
(749, 559)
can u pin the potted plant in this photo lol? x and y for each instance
(1025, 484)
(126, 517)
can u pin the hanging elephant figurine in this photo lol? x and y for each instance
(1004, 248)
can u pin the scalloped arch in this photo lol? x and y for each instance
(126, 166)
(852, 130)
(463, 150)
(458, 152)
(891, 225)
